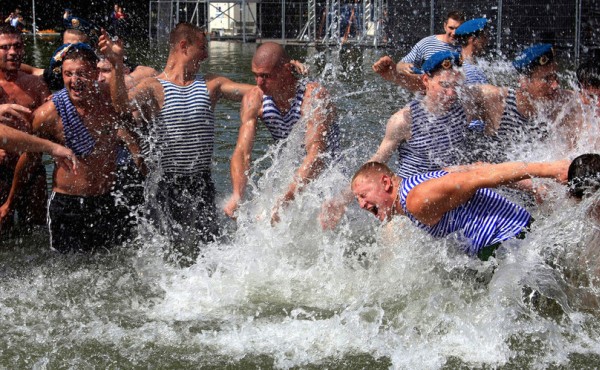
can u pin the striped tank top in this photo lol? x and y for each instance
(77, 136)
(515, 134)
(435, 142)
(473, 74)
(425, 48)
(183, 133)
(487, 218)
(280, 125)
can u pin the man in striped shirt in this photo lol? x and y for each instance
(177, 113)
(281, 100)
(403, 72)
(443, 203)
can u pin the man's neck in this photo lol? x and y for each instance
(287, 93)
(178, 73)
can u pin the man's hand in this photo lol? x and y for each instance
(5, 213)
(299, 67)
(15, 116)
(112, 50)
(231, 206)
(385, 67)
(64, 158)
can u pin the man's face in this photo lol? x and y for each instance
(543, 82)
(12, 51)
(450, 27)
(104, 71)
(268, 77)
(442, 88)
(480, 43)
(198, 49)
(80, 78)
(374, 194)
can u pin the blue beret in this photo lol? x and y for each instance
(442, 59)
(59, 54)
(471, 27)
(535, 55)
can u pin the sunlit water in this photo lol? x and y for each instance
(293, 296)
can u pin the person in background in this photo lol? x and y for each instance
(23, 93)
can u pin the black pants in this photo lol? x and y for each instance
(183, 208)
(82, 224)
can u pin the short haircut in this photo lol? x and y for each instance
(83, 37)
(584, 175)
(85, 54)
(588, 74)
(184, 31)
(7, 29)
(371, 168)
(456, 15)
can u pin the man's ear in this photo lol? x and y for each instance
(387, 183)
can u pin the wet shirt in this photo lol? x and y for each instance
(473, 74)
(77, 136)
(487, 218)
(435, 142)
(280, 125)
(426, 48)
(183, 134)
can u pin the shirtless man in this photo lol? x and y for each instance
(28, 92)
(81, 208)
(281, 100)
(177, 109)
(462, 202)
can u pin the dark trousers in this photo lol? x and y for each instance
(183, 208)
(82, 224)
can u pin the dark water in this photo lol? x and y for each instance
(292, 296)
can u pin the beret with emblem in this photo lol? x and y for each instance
(533, 56)
(440, 60)
(471, 27)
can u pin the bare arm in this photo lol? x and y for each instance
(404, 77)
(430, 200)
(44, 117)
(240, 160)
(225, 88)
(32, 70)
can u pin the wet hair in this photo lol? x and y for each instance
(584, 175)
(372, 167)
(588, 73)
(456, 15)
(184, 31)
(82, 52)
(77, 33)
(7, 29)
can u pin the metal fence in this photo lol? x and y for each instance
(571, 25)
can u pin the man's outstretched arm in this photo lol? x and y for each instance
(430, 200)
(240, 160)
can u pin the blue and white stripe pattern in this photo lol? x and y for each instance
(426, 48)
(184, 130)
(77, 136)
(435, 141)
(487, 218)
(280, 126)
(473, 74)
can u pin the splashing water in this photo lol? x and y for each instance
(362, 296)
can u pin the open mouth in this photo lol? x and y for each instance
(374, 210)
